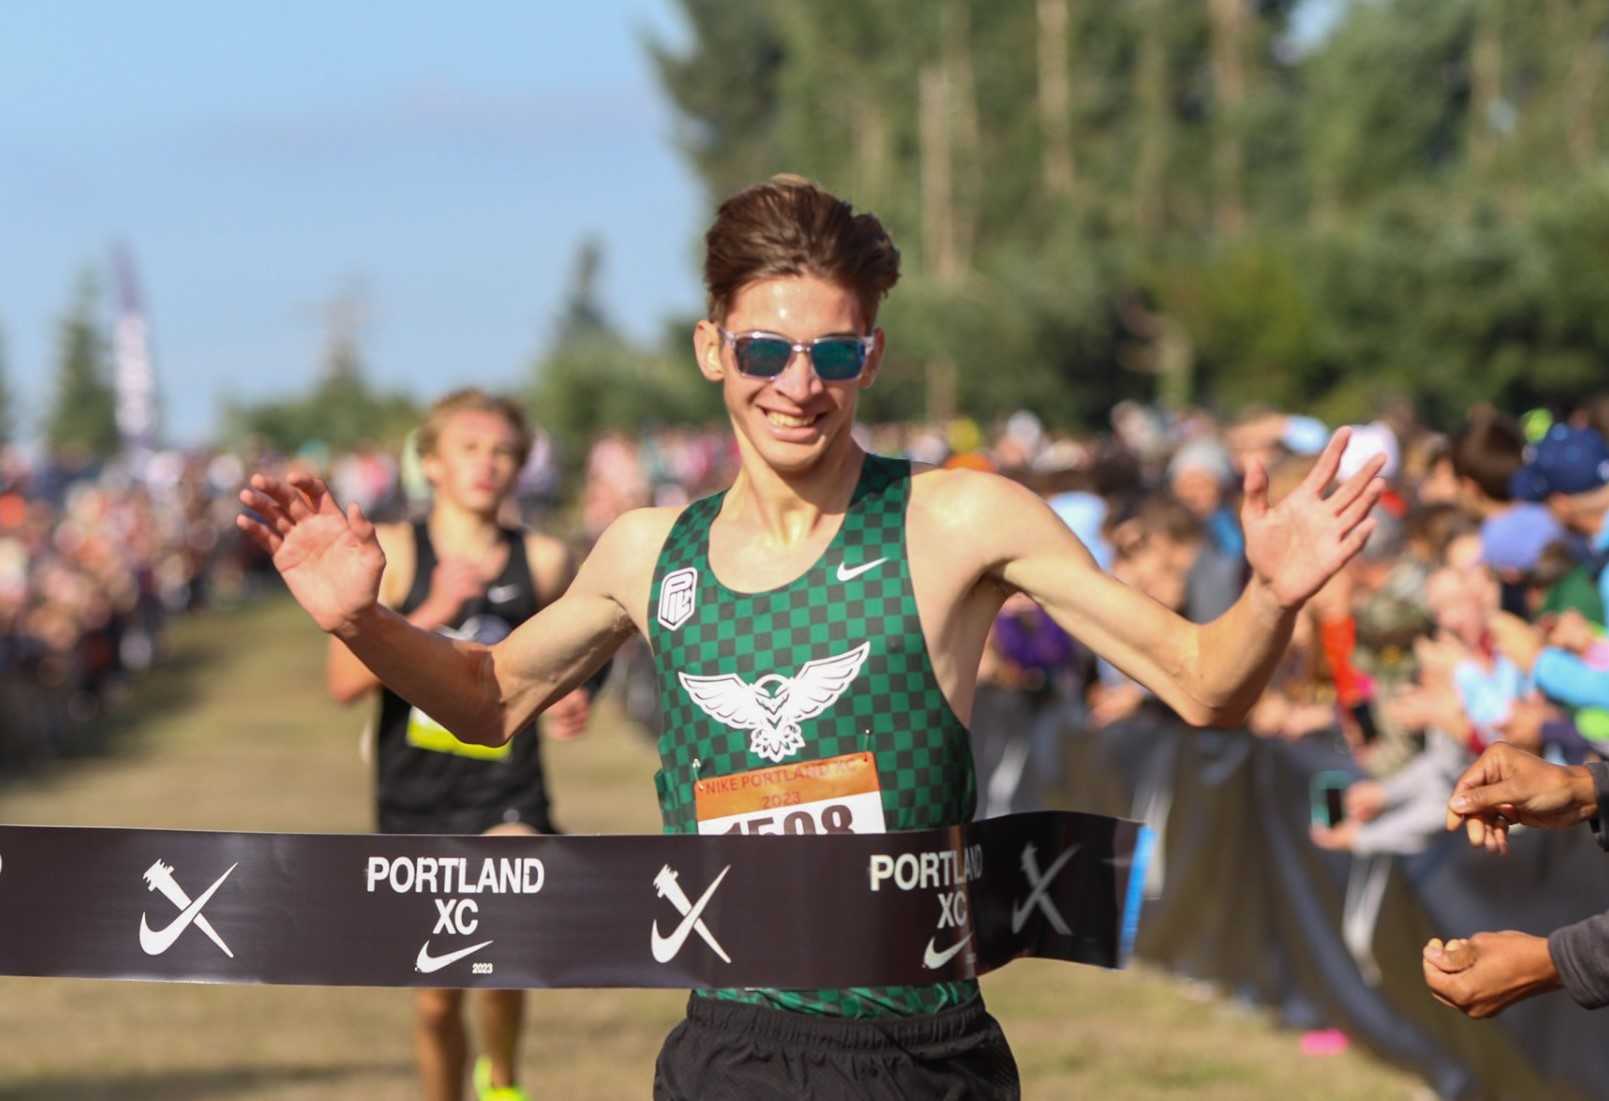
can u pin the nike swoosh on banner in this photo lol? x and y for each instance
(427, 963)
(155, 942)
(1019, 914)
(847, 572)
(933, 960)
(665, 948)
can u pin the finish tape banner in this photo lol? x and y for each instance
(569, 911)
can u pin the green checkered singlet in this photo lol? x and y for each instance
(893, 708)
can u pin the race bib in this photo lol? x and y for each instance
(836, 795)
(426, 733)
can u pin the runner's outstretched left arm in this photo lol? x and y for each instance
(1211, 674)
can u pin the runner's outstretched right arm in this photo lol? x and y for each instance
(332, 564)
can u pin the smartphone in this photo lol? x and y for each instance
(1333, 808)
(1329, 797)
(1363, 714)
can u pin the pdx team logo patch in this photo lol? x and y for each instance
(676, 598)
(772, 708)
(159, 878)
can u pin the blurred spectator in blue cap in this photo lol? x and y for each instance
(1567, 460)
(1569, 470)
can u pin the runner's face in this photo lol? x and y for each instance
(793, 419)
(475, 461)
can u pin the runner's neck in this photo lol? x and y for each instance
(460, 533)
(789, 508)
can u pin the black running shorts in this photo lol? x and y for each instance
(725, 1051)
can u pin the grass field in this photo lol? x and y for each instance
(234, 732)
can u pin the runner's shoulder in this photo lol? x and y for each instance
(629, 547)
(960, 500)
(551, 563)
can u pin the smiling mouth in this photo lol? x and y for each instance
(787, 420)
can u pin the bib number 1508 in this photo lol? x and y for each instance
(831, 818)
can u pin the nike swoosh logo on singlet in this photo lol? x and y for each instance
(933, 960)
(846, 572)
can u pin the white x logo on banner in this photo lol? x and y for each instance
(1039, 886)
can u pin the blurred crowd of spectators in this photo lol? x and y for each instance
(97, 558)
(93, 562)
(1475, 613)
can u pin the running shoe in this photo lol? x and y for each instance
(485, 1091)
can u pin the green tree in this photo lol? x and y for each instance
(83, 416)
(340, 412)
(725, 86)
(593, 380)
(582, 316)
(1095, 200)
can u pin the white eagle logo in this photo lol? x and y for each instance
(773, 706)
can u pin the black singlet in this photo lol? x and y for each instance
(426, 780)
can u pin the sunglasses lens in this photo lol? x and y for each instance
(838, 360)
(763, 356)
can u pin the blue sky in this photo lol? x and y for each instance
(259, 158)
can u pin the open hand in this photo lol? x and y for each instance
(1296, 546)
(330, 560)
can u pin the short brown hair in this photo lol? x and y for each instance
(1162, 514)
(1488, 451)
(472, 400)
(789, 226)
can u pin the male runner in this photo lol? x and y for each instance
(861, 589)
(463, 575)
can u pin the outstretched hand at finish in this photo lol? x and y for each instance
(1296, 546)
(330, 559)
